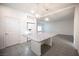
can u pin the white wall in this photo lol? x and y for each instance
(76, 28)
(12, 26)
(63, 25)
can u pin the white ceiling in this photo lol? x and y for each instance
(59, 14)
(52, 10)
(39, 8)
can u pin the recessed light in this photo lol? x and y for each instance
(46, 19)
(37, 16)
(32, 11)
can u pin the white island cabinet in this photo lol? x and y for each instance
(37, 39)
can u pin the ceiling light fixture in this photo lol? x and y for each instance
(46, 19)
(37, 16)
(32, 11)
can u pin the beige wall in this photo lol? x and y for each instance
(12, 26)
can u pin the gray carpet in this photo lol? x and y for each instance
(17, 50)
(62, 46)
(65, 37)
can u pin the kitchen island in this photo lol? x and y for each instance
(37, 39)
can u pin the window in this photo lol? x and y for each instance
(39, 28)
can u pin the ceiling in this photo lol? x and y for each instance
(52, 10)
(39, 8)
(59, 15)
